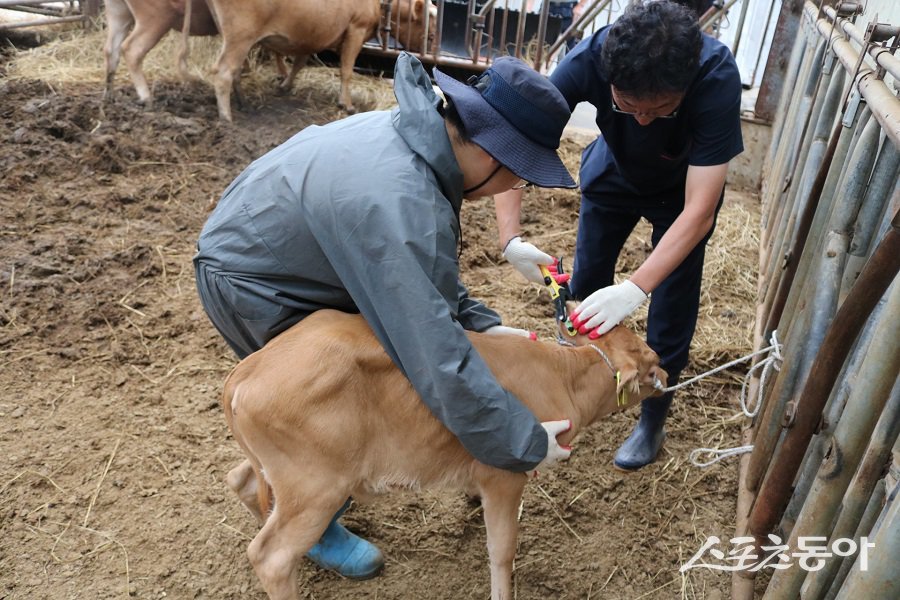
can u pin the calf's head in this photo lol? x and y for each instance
(414, 23)
(639, 375)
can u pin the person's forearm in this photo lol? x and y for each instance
(684, 234)
(703, 188)
(508, 207)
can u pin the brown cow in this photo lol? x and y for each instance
(322, 414)
(152, 19)
(300, 28)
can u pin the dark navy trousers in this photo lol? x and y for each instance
(674, 304)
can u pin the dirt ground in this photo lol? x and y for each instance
(114, 445)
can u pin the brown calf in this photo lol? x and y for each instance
(300, 28)
(151, 19)
(322, 414)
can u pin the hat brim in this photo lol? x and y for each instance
(532, 162)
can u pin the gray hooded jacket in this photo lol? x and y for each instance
(362, 215)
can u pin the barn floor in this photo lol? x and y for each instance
(114, 446)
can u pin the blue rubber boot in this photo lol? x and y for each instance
(644, 443)
(348, 554)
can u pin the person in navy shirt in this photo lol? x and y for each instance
(668, 108)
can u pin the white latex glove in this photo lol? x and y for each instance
(605, 308)
(555, 452)
(526, 258)
(504, 330)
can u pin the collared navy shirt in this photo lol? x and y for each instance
(635, 165)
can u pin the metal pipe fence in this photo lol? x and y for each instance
(470, 34)
(53, 13)
(828, 425)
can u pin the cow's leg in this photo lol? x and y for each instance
(301, 514)
(350, 48)
(136, 46)
(288, 82)
(118, 20)
(227, 71)
(280, 66)
(242, 480)
(185, 49)
(500, 497)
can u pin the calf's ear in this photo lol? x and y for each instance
(418, 8)
(628, 387)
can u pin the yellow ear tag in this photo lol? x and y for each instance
(621, 398)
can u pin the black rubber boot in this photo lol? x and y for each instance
(644, 443)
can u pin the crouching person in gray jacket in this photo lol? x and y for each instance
(362, 215)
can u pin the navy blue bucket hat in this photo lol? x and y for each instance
(516, 115)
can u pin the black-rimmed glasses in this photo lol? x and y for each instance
(615, 108)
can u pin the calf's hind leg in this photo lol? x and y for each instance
(242, 480)
(295, 525)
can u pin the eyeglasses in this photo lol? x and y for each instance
(615, 108)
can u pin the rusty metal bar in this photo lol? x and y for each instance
(11, 4)
(854, 194)
(48, 11)
(520, 29)
(885, 180)
(869, 518)
(876, 93)
(772, 85)
(882, 56)
(880, 579)
(810, 203)
(589, 13)
(53, 21)
(786, 139)
(857, 425)
(787, 126)
(439, 26)
(798, 149)
(740, 30)
(476, 23)
(792, 73)
(715, 14)
(812, 250)
(742, 582)
(503, 24)
(854, 502)
(874, 279)
(541, 34)
(490, 36)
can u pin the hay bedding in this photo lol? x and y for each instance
(114, 445)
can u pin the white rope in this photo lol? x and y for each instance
(774, 347)
(772, 361)
(718, 454)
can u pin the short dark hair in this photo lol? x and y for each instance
(652, 49)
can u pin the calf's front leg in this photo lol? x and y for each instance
(500, 498)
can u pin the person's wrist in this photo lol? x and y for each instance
(508, 241)
(639, 287)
